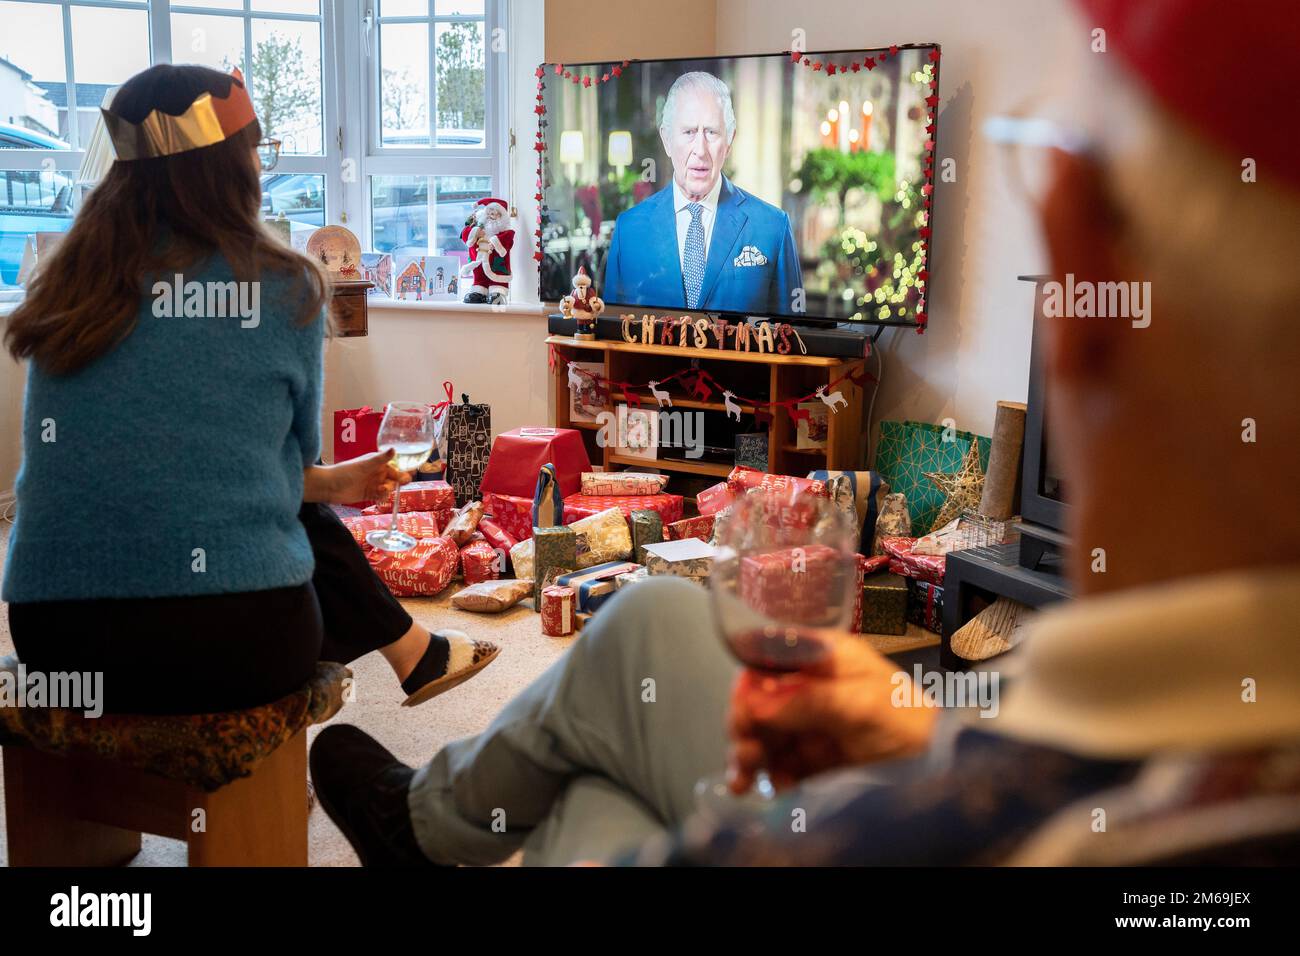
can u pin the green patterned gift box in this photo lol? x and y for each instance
(884, 603)
(647, 528)
(554, 549)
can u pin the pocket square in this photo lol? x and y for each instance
(750, 256)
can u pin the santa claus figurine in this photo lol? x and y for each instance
(489, 235)
(582, 304)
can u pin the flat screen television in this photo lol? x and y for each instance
(789, 186)
(1042, 486)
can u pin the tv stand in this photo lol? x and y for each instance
(1042, 548)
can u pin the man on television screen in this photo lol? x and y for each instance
(702, 242)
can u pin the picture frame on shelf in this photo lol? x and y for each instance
(587, 402)
(813, 431)
(638, 433)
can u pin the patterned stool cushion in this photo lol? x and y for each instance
(205, 750)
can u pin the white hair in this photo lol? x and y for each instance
(700, 80)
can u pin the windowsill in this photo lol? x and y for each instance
(511, 308)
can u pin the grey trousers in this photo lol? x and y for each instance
(597, 755)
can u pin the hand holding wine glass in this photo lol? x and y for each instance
(783, 588)
(408, 429)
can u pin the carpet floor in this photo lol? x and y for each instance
(412, 734)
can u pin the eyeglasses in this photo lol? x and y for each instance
(1025, 142)
(268, 153)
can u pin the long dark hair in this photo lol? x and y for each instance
(151, 217)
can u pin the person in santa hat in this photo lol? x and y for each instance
(489, 235)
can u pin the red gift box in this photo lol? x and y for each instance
(425, 569)
(923, 567)
(418, 524)
(513, 514)
(558, 619)
(479, 561)
(701, 526)
(518, 455)
(792, 584)
(669, 507)
(743, 478)
(418, 496)
(714, 498)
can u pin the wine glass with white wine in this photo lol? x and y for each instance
(408, 430)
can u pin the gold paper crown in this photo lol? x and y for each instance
(208, 120)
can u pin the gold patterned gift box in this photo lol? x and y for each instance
(647, 528)
(884, 603)
(554, 549)
(689, 558)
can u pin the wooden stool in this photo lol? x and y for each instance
(80, 791)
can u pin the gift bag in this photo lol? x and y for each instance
(355, 432)
(469, 439)
(908, 450)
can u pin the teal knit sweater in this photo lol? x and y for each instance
(172, 465)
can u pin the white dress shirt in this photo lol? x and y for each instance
(707, 217)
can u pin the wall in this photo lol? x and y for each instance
(628, 29)
(995, 58)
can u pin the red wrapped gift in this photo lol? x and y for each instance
(669, 507)
(425, 569)
(793, 584)
(518, 455)
(479, 561)
(558, 619)
(418, 524)
(856, 625)
(714, 498)
(923, 567)
(511, 513)
(701, 526)
(418, 496)
(743, 478)
(497, 536)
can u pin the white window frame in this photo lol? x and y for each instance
(349, 105)
(363, 155)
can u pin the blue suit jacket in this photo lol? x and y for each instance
(644, 267)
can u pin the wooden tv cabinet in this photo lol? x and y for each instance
(755, 375)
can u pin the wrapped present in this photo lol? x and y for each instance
(468, 434)
(700, 527)
(417, 496)
(591, 586)
(554, 549)
(866, 565)
(668, 506)
(519, 454)
(548, 504)
(492, 597)
(647, 528)
(521, 560)
(861, 493)
(622, 483)
(496, 535)
(479, 561)
(512, 513)
(884, 604)
(687, 558)
(742, 479)
(423, 570)
(925, 604)
(418, 524)
(791, 584)
(603, 537)
(905, 561)
(714, 498)
(630, 577)
(558, 610)
(892, 522)
(464, 522)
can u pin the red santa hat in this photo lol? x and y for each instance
(491, 201)
(1221, 68)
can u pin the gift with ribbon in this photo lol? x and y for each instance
(925, 604)
(592, 586)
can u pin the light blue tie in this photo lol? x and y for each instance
(693, 257)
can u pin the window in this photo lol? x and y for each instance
(390, 111)
(434, 90)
